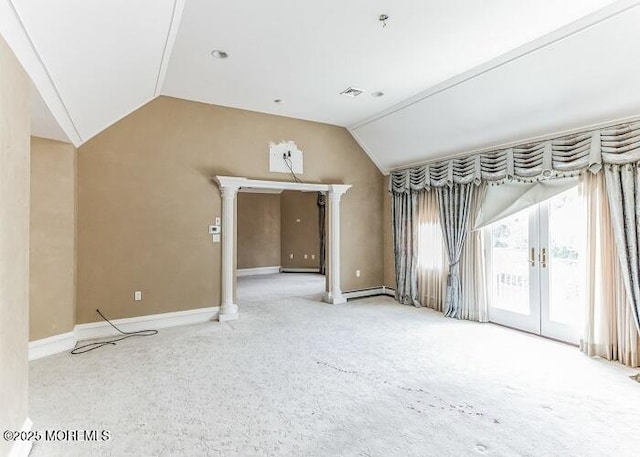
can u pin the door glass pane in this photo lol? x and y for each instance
(567, 243)
(510, 266)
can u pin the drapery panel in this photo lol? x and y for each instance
(432, 258)
(568, 155)
(454, 205)
(405, 246)
(432, 261)
(623, 191)
(474, 301)
(609, 329)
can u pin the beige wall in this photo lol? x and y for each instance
(258, 230)
(273, 226)
(52, 257)
(145, 198)
(389, 261)
(300, 233)
(14, 242)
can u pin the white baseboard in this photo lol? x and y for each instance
(300, 270)
(52, 345)
(151, 321)
(67, 341)
(371, 292)
(22, 448)
(258, 271)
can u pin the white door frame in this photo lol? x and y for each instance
(229, 187)
(539, 320)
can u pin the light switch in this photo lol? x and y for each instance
(217, 221)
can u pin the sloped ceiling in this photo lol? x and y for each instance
(93, 62)
(556, 84)
(456, 75)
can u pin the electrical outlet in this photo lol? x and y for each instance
(137, 295)
(297, 220)
(313, 256)
(306, 256)
(357, 273)
(291, 256)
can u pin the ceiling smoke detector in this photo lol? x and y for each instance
(351, 92)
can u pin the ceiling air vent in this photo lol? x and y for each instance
(351, 92)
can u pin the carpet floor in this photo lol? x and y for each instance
(298, 377)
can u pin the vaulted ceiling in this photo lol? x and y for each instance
(455, 75)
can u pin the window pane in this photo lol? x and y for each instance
(567, 242)
(430, 247)
(510, 267)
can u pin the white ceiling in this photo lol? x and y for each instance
(308, 54)
(457, 75)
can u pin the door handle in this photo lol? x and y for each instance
(543, 258)
(532, 257)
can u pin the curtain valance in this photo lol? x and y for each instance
(565, 156)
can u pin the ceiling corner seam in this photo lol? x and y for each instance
(172, 32)
(367, 152)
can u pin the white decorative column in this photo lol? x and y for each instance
(228, 309)
(334, 295)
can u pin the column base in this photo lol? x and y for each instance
(223, 317)
(228, 312)
(334, 299)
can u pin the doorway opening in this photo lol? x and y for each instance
(229, 187)
(535, 268)
(281, 240)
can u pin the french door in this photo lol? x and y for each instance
(536, 268)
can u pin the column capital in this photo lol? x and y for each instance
(229, 191)
(336, 191)
(229, 185)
